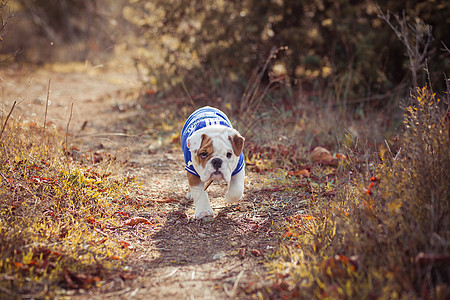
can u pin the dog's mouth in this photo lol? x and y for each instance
(216, 175)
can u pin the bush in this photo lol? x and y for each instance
(390, 238)
(340, 49)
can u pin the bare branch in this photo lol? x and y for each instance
(416, 39)
(6, 14)
(445, 48)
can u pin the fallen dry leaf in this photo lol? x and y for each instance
(287, 234)
(307, 217)
(256, 252)
(302, 173)
(77, 280)
(369, 188)
(137, 220)
(126, 245)
(176, 138)
(242, 252)
(341, 156)
(166, 200)
(320, 154)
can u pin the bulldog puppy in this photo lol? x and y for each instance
(212, 151)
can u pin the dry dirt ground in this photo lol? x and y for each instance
(181, 258)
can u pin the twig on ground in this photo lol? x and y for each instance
(101, 232)
(235, 285)
(7, 291)
(17, 52)
(171, 273)
(118, 293)
(46, 104)
(68, 123)
(6, 120)
(6, 179)
(106, 134)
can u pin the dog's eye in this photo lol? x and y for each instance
(229, 155)
(203, 155)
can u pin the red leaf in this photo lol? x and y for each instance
(307, 217)
(99, 242)
(35, 179)
(242, 252)
(126, 245)
(123, 243)
(369, 188)
(341, 156)
(256, 252)
(90, 220)
(18, 264)
(287, 234)
(33, 263)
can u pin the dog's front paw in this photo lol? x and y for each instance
(231, 199)
(200, 214)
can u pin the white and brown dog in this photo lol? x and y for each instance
(212, 151)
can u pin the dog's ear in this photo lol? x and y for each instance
(194, 141)
(237, 142)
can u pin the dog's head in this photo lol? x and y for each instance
(215, 152)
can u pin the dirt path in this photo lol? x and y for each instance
(181, 257)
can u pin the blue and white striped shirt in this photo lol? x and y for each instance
(201, 118)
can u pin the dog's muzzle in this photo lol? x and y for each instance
(216, 163)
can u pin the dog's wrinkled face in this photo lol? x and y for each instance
(215, 152)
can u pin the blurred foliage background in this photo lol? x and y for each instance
(340, 50)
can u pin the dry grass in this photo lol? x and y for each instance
(53, 211)
(386, 233)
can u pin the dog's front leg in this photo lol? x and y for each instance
(200, 197)
(201, 202)
(235, 187)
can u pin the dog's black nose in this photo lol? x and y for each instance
(217, 163)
